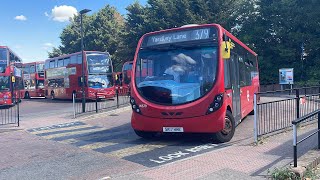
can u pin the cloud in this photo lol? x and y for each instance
(62, 13)
(47, 46)
(20, 18)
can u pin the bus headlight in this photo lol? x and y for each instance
(216, 104)
(134, 106)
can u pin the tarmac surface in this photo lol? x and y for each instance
(103, 146)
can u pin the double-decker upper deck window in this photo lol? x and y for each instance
(32, 69)
(3, 54)
(52, 64)
(60, 63)
(40, 67)
(99, 63)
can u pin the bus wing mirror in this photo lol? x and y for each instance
(225, 49)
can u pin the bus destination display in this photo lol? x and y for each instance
(180, 36)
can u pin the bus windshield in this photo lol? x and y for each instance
(100, 81)
(4, 83)
(40, 67)
(175, 76)
(99, 63)
(40, 83)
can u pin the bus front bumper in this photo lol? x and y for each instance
(211, 123)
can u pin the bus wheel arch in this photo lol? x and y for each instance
(227, 133)
(26, 95)
(145, 134)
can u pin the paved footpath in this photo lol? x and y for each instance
(27, 156)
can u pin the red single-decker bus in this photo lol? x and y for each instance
(199, 79)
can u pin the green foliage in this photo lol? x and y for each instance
(55, 52)
(283, 174)
(273, 29)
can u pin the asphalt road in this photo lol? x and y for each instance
(40, 107)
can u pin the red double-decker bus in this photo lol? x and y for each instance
(10, 76)
(202, 80)
(63, 76)
(33, 79)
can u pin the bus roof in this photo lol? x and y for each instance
(76, 53)
(6, 47)
(218, 26)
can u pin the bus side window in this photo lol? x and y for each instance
(46, 65)
(73, 59)
(227, 80)
(79, 59)
(60, 63)
(242, 71)
(66, 61)
(52, 64)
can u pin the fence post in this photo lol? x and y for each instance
(74, 105)
(255, 118)
(117, 93)
(297, 103)
(295, 155)
(96, 102)
(18, 109)
(318, 130)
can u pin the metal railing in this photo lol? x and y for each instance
(10, 114)
(277, 109)
(295, 142)
(97, 105)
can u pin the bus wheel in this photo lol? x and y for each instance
(144, 134)
(26, 95)
(227, 133)
(52, 95)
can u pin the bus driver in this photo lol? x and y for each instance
(180, 66)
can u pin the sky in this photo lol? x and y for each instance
(30, 28)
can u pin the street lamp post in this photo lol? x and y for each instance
(82, 52)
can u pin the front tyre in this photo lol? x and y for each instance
(144, 134)
(227, 133)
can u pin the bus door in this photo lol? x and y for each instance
(235, 82)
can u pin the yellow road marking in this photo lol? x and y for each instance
(97, 145)
(75, 132)
(137, 149)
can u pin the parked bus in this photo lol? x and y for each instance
(33, 79)
(10, 76)
(122, 79)
(126, 73)
(202, 80)
(63, 76)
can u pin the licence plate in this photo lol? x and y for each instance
(172, 129)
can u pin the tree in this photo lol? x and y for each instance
(277, 31)
(101, 32)
(55, 52)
